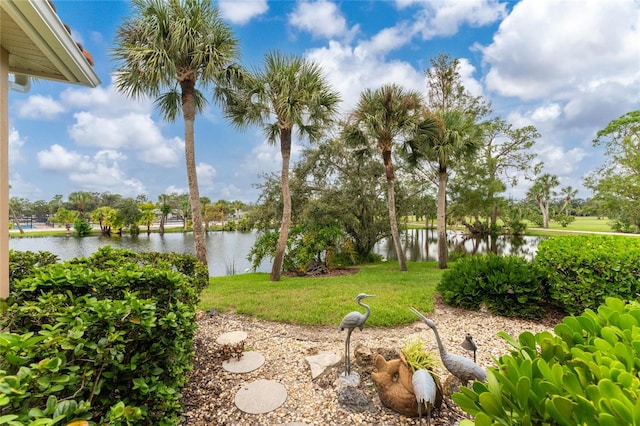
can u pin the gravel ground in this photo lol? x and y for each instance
(209, 396)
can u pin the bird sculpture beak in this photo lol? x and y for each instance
(419, 314)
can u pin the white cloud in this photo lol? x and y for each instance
(350, 70)
(554, 49)
(439, 18)
(263, 158)
(172, 189)
(387, 40)
(555, 158)
(15, 145)
(40, 107)
(131, 131)
(321, 18)
(105, 101)
(100, 173)
(206, 173)
(546, 113)
(242, 11)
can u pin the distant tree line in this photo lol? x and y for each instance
(115, 213)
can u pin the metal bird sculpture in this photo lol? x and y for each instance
(354, 320)
(424, 387)
(470, 345)
(461, 367)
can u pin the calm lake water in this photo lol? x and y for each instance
(227, 251)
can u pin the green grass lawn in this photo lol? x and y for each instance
(326, 300)
(586, 224)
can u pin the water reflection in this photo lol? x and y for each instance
(227, 251)
(422, 245)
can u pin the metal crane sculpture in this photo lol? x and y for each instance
(424, 387)
(354, 320)
(470, 345)
(461, 367)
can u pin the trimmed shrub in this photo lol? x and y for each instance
(585, 374)
(582, 270)
(106, 339)
(507, 285)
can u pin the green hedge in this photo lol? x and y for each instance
(587, 373)
(507, 285)
(583, 270)
(107, 339)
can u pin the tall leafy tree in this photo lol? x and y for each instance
(346, 190)
(288, 93)
(449, 133)
(542, 192)
(382, 119)
(165, 50)
(616, 184)
(504, 157)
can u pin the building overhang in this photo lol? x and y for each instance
(40, 46)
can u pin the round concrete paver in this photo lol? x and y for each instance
(231, 338)
(250, 361)
(260, 396)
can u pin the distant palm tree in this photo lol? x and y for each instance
(81, 199)
(382, 119)
(164, 205)
(289, 92)
(164, 50)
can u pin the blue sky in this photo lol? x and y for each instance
(568, 67)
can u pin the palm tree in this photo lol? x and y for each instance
(569, 193)
(164, 50)
(542, 191)
(289, 92)
(383, 118)
(80, 199)
(443, 139)
(164, 205)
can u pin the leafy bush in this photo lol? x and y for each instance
(106, 338)
(306, 248)
(585, 374)
(22, 263)
(564, 219)
(583, 270)
(82, 227)
(507, 285)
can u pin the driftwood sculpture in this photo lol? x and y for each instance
(393, 381)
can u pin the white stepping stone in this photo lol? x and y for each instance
(249, 361)
(319, 364)
(260, 396)
(231, 338)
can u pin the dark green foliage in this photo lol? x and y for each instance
(82, 227)
(22, 263)
(507, 285)
(306, 248)
(583, 270)
(564, 219)
(106, 338)
(587, 373)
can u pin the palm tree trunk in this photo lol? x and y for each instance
(188, 109)
(394, 225)
(285, 151)
(391, 205)
(15, 219)
(443, 253)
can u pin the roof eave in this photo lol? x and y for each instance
(40, 22)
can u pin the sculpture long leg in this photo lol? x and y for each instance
(346, 349)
